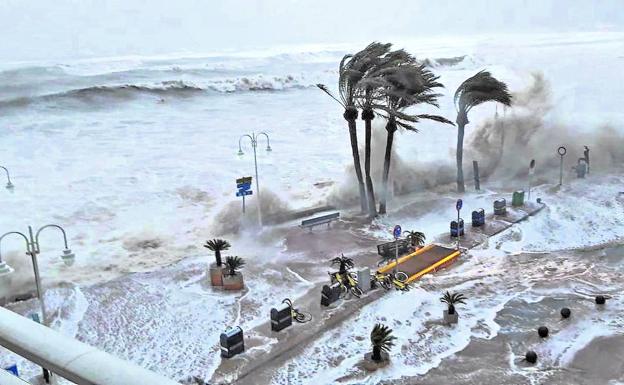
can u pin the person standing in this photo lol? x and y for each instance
(586, 154)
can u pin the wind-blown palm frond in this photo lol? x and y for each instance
(217, 245)
(416, 238)
(405, 84)
(233, 264)
(382, 338)
(481, 88)
(354, 67)
(453, 298)
(345, 263)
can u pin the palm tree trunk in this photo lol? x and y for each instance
(351, 115)
(376, 353)
(391, 128)
(460, 157)
(368, 117)
(218, 257)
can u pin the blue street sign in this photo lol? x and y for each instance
(12, 369)
(397, 232)
(244, 186)
(242, 193)
(459, 204)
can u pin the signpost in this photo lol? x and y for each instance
(397, 234)
(531, 172)
(244, 188)
(458, 206)
(561, 151)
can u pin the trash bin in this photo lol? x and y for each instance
(457, 229)
(478, 218)
(517, 198)
(330, 294)
(232, 342)
(281, 317)
(500, 207)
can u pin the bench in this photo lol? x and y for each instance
(388, 250)
(325, 219)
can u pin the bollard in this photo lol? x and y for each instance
(565, 312)
(364, 279)
(330, 294)
(478, 218)
(500, 207)
(455, 229)
(232, 342)
(281, 317)
(600, 299)
(542, 331)
(531, 357)
(580, 168)
(517, 199)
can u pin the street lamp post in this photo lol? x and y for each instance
(9, 185)
(254, 144)
(32, 249)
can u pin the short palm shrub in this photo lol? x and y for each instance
(233, 264)
(382, 340)
(451, 299)
(217, 245)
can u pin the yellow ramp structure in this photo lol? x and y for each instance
(424, 260)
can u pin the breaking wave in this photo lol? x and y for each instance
(173, 88)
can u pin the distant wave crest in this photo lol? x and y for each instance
(163, 90)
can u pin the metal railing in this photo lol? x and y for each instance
(68, 358)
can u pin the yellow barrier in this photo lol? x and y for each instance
(433, 267)
(404, 258)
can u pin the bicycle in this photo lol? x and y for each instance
(299, 316)
(389, 280)
(348, 284)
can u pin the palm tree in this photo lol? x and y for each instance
(344, 262)
(233, 264)
(416, 238)
(351, 70)
(451, 299)
(217, 245)
(370, 93)
(406, 84)
(480, 88)
(381, 340)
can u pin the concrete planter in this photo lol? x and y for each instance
(451, 318)
(371, 365)
(216, 274)
(233, 282)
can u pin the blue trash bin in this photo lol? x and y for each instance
(455, 229)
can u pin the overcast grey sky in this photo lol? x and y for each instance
(57, 29)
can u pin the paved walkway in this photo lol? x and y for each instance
(258, 363)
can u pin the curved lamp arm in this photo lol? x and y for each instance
(18, 233)
(268, 140)
(9, 184)
(36, 246)
(240, 148)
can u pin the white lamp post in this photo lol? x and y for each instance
(254, 143)
(9, 185)
(32, 249)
